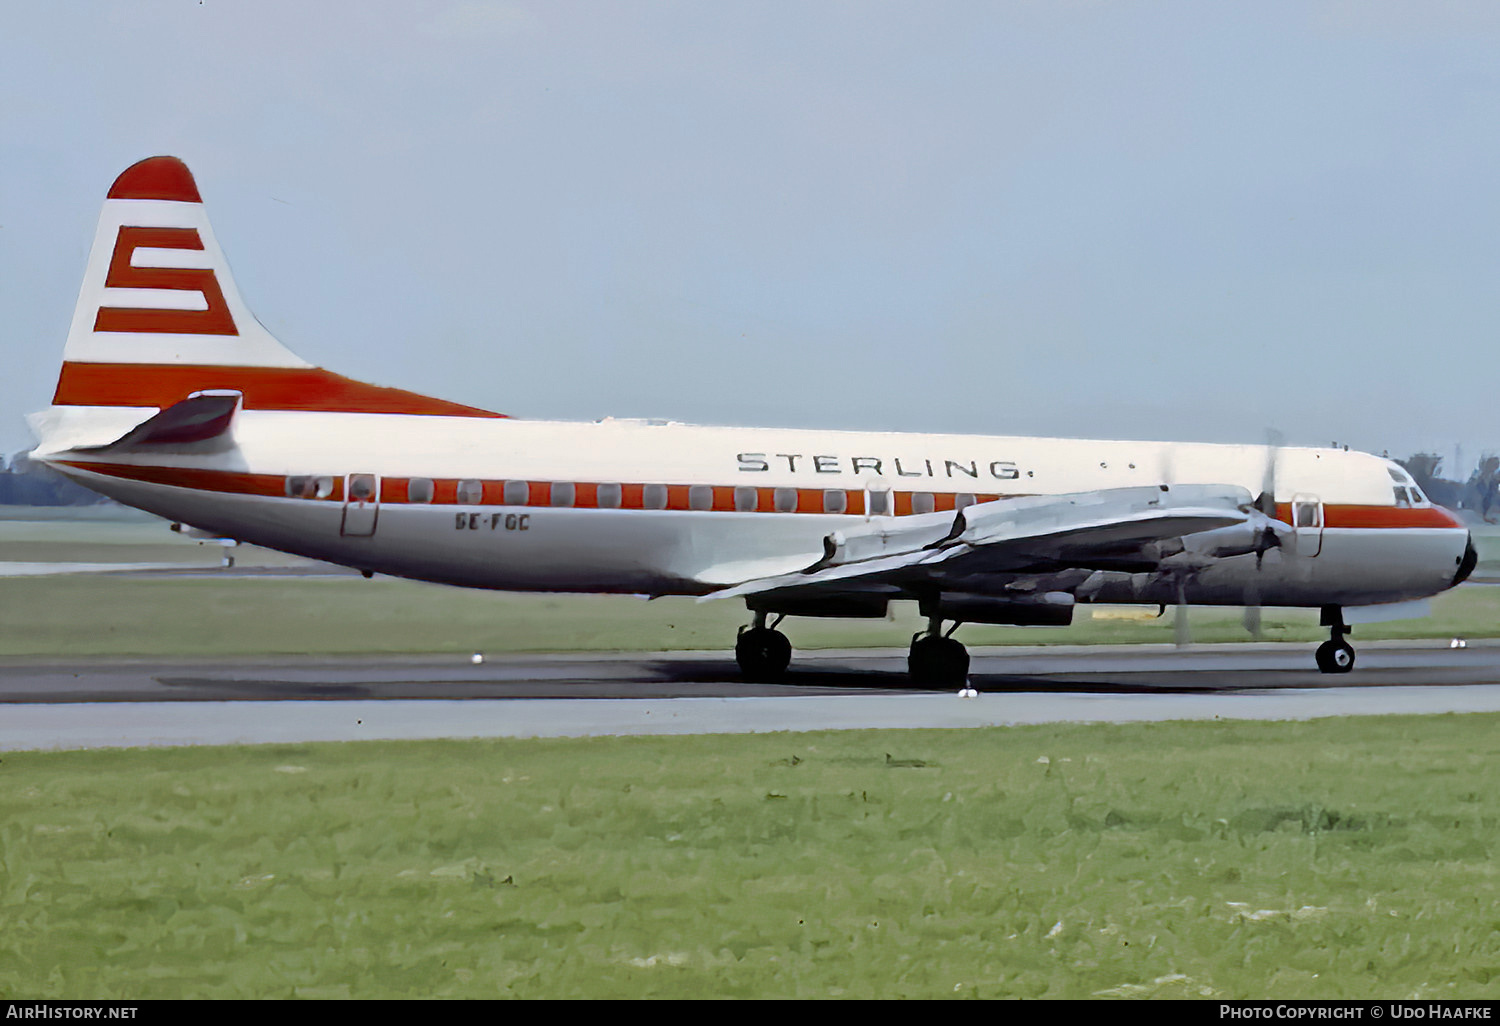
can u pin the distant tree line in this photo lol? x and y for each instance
(24, 482)
(1480, 493)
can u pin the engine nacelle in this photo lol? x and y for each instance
(1255, 535)
(1047, 609)
(868, 607)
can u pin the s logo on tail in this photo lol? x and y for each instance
(159, 318)
(134, 266)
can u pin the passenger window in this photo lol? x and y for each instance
(654, 496)
(1307, 514)
(700, 497)
(322, 487)
(835, 501)
(471, 492)
(786, 500)
(922, 502)
(361, 487)
(880, 504)
(419, 489)
(298, 487)
(562, 493)
(746, 499)
(963, 500)
(608, 496)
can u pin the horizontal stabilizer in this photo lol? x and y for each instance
(198, 421)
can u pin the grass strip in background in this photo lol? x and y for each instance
(1335, 858)
(110, 615)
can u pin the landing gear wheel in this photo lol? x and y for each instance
(1335, 656)
(936, 661)
(763, 653)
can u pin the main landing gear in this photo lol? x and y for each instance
(936, 659)
(762, 652)
(1335, 655)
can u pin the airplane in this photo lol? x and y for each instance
(174, 399)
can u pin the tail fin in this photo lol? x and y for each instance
(159, 317)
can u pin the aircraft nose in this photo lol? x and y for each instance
(1467, 563)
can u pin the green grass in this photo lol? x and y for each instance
(1339, 858)
(119, 541)
(96, 615)
(1487, 544)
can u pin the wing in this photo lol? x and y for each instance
(1129, 529)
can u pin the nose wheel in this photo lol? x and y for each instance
(1335, 655)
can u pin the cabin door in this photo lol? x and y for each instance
(1307, 521)
(361, 505)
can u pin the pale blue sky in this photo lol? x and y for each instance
(1162, 220)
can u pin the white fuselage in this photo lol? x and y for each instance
(665, 508)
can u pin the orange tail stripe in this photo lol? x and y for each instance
(164, 178)
(265, 388)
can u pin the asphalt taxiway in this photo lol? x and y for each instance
(81, 703)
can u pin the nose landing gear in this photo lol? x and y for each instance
(1335, 655)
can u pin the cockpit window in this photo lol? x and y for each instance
(1410, 495)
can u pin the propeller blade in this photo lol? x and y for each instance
(1266, 501)
(1252, 606)
(1181, 631)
